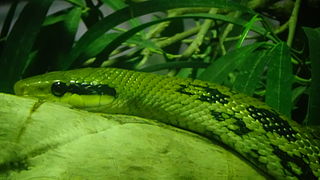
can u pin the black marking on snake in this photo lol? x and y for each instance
(271, 122)
(206, 94)
(242, 128)
(217, 115)
(60, 88)
(285, 159)
(254, 155)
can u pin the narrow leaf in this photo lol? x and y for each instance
(115, 4)
(97, 46)
(8, 20)
(20, 42)
(279, 80)
(119, 4)
(57, 16)
(250, 72)
(180, 64)
(71, 25)
(218, 71)
(246, 30)
(92, 15)
(79, 3)
(297, 92)
(56, 39)
(314, 96)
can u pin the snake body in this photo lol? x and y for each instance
(278, 146)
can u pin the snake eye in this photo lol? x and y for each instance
(59, 89)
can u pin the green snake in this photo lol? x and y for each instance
(278, 146)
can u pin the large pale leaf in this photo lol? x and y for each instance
(51, 141)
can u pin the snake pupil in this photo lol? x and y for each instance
(59, 88)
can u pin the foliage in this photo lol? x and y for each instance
(240, 44)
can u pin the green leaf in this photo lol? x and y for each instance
(135, 10)
(314, 97)
(57, 17)
(56, 40)
(218, 71)
(248, 26)
(185, 73)
(179, 64)
(79, 3)
(98, 45)
(70, 25)
(119, 4)
(92, 14)
(250, 72)
(20, 41)
(279, 80)
(115, 4)
(8, 20)
(297, 92)
(54, 19)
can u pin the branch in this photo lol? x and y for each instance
(293, 22)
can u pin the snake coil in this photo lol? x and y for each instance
(275, 144)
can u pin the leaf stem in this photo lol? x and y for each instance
(226, 32)
(193, 47)
(293, 22)
(178, 37)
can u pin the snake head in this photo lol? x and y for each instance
(78, 88)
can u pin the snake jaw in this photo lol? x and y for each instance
(86, 101)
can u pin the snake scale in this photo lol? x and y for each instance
(278, 146)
